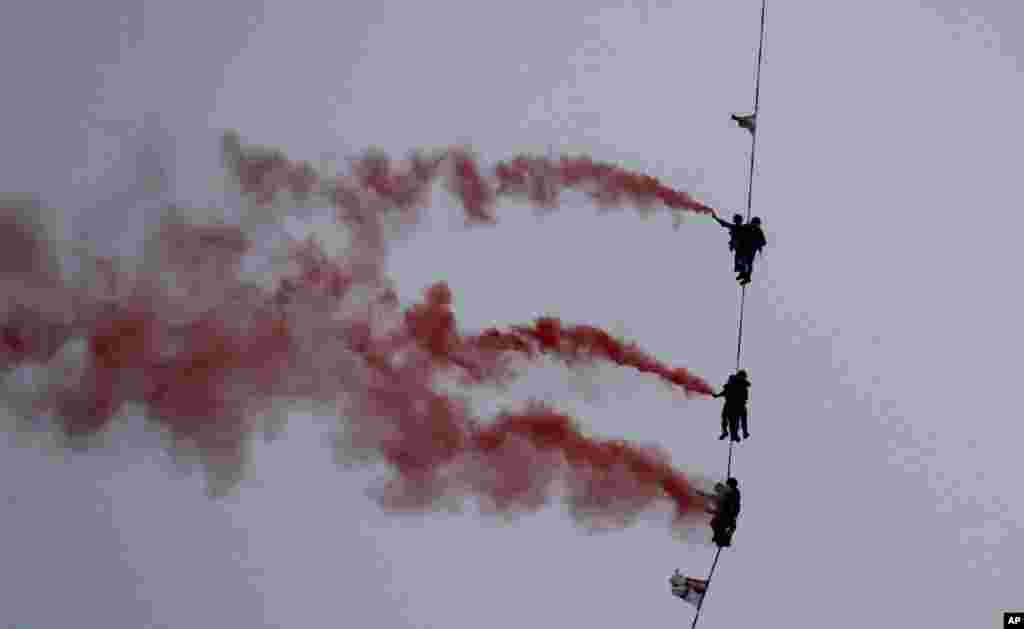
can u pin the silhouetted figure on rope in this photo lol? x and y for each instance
(735, 227)
(750, 241)
(725, 508)
(736, 392)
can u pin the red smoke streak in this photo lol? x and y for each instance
(262, 174)
(204, 353)
(433, 325)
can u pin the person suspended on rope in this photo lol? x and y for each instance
(746, 121)
(724, 523)
(735, 228)
(736, 392)
(725, 507)
(750, 241)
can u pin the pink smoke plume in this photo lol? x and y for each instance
(433, 325)
(264, 173)
(180, 334)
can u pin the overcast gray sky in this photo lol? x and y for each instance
(880, 484)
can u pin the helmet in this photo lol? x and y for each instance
(756, 220)
(737, 218)
(732, 482)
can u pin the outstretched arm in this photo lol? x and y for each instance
(722, 223)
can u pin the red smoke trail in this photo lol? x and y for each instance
(520, 460)
(263, 173)
(541, 180)
(204, 353)
(585, 341)
(433, 326)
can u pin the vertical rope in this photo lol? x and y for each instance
(760, 55)
(750, 178)
(739, 336)
(743, 290)
(706, 588)
(757, 105)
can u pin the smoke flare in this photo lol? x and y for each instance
(433, 325)
(265, 173)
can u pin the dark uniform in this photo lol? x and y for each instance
(749, 242)
(734, 413)
(723, 524)
(735, 227)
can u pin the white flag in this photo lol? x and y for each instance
(689, 589)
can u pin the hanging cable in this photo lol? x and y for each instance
(743, 289)
(701, 603)
(728, 469)
(757, 104)
(739, 335)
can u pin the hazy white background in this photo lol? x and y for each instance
(882, 339)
